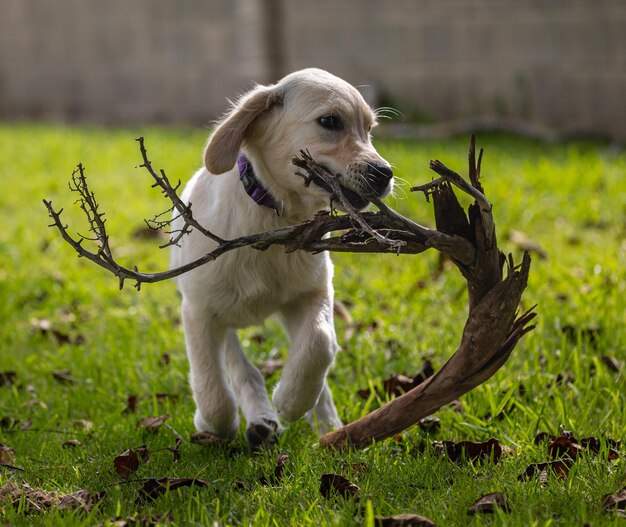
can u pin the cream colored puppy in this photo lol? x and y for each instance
(248, 186)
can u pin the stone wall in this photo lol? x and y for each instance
(559, 63)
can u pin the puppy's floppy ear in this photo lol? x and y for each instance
(221, 151)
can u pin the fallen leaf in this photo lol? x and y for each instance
(259, 339)
(33, 402)
(7, 454)
(9, 423)
(64, 377)
(560, 446)
(612, 363)
(470, 451)
(594, 445)
(148, 233)
(153, 488)
(456, 406)
(521, 240)
(161, 397)
(84, 424)
(39, 500)
(7, 378)
(175, 450)
(430, 424)
(146, 520)
(340, 309)
(269, 367)
(72, 443)
(131, 404)
(153, 423)
(489, 503)
(590, 334)
(611, 502)
(335, 484)
(275, 478)
(80, 500)
(143, 453)
(207, 438)
(45, 327)
(426, 372)
(126, 463)
(560, 468)
(404, 520)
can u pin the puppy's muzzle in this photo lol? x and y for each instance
(377, 178)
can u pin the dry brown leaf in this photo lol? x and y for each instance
(337, 485)
(45, 327)
(561, 446)
(7, 454)
(153, 488)
(131, 404)
(269, 367)
(84, 424)
(611, 363)
(612, 502)
(404, 520)
(340, 309)
(64, 377)
(560, 468)
(522, 241)
(207, 438)
(399, 384)
(430, 424)
(470, 451)
(153, 423)
(175, 450)
(277, 475)
(165, 359)
(148, 233)
(489, 503)
(126, 463)
(39, 500)
(7, 378)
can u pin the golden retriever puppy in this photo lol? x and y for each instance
(248, 185)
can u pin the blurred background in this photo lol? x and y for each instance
(545, 67)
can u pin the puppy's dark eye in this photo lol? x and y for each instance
(331, 122)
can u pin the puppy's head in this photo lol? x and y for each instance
(312, 110)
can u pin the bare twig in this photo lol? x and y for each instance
(183, 209)
(401, 235)
(314, 169)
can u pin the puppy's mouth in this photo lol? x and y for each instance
(355, 200)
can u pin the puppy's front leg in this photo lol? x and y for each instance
(216, 405)
(309, 322)
(246, 380)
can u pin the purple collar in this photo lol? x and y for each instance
(253, 186)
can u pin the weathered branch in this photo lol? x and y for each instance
(493, 327)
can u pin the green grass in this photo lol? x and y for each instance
(569, 198)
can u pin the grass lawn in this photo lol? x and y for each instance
(62, 314)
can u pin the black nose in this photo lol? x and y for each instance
(378, 177)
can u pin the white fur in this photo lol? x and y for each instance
(270, 124)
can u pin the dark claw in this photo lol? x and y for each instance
(261, 434)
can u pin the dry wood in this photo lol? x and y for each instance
(491, 331)
(469, 238)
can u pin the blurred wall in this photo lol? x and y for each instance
(560, 63)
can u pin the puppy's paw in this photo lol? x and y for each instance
(264, 432)
(223, 428)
